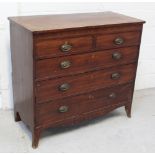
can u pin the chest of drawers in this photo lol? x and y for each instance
(72, 68)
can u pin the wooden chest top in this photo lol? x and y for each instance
(50, 23)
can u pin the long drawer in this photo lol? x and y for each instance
(82, 83)
(69, 65)
(73, 106)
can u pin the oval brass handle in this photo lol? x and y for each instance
(66, 47)
(65, 64)
(115, 76)
(116, 55)
(119, 41)
(64, 87)
(112, 95)
(63, 109)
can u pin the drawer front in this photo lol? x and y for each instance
(118, 40)
(61, 47)
(73, 106)
(69, 65)
(82, 83)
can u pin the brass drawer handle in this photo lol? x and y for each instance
(65, 64)
(64, 87)
(119, 41)
(63, 109)
(112, 95)
(116, 55)
(66, 47)
(115, 76)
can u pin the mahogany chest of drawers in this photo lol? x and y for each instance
(72, 68)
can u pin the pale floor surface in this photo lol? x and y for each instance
(114, 132)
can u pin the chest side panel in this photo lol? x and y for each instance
(22, 73)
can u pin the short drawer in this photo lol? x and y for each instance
(64, 46)
(61, 109)
(82, 83)
(118, 40)
(69, 65)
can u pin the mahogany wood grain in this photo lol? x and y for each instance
(82, 83)
(51, 68)
(107, 41)
(52, 47)
(88, 31)
(51, 23)
(22, 75)
(83, 103)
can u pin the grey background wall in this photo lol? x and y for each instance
(146, 11)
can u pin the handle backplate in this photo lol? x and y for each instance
(119, 41)
(116, 55)
(65, 64)
(64, 87)
(63, 109)
(66, 47)
(115, 76)
(112, 95)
